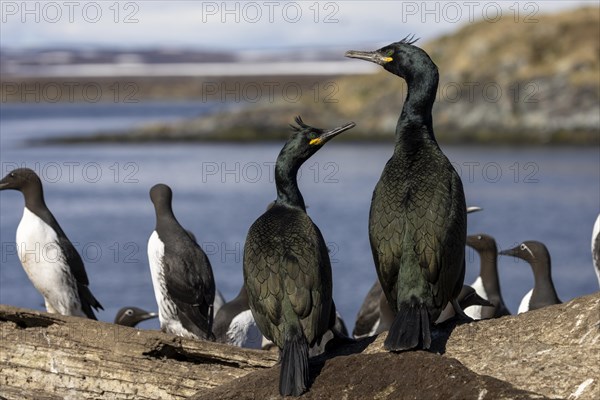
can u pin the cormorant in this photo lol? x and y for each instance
(487, 284)
(543, 293)
(417, 222)
(131, 316)
(596, 247)
(48, 257)
(287, 271)
(182, 277)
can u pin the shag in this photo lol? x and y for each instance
(182, 277)
(48, 257)
(287, 271)
(543, 293)
(235, 325)
(487, 284)
(417, 222)
(131, 316)
(596, 247)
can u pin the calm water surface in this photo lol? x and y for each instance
(99, 194)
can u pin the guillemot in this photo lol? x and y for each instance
(182, 277)
(48, 257)
(596, 247)
(131, 316)
(543, 293)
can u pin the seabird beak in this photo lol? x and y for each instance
(146, 316)
(330, 134)
(509, 252)
(372, 56)
(473, 209)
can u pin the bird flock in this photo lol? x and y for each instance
(417, 232)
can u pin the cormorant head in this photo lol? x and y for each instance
(531, 251)
(161, 194)
(481, 242)
(131, 316)
(306, 140)
(20, 179)
(400, 58)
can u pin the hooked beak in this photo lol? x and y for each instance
(330, 134)
(372, 56)
(473, 209)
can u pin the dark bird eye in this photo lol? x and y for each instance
(389, 53)
(12, 174)
(129, 312)
(522, 247)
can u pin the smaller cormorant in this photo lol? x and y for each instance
(48, 257)
(182, 277)
(543, 293)
(487, 284)
(131, 316)
(287, 271)
(418, 218)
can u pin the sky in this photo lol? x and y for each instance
(246, 25)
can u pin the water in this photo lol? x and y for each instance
(99, 194)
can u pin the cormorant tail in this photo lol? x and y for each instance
(293, 378)
(410, 327)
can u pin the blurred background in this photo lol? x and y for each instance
(106, 99)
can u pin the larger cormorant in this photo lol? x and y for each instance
(48, 257)
(287, 271)
(182, 277)
(417, 222)
(543, 293)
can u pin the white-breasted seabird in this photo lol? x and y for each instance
(596, 247)
(182, 277)
(235, 325)
(487, 284)
(48, 257)
(131, 316)
(543, 293)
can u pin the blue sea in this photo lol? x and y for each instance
(99, 194)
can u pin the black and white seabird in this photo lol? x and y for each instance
(287, 271)
(418, 218)
(51, 262)
(596, 247)
(182, 277)
(131, 316)
(487, 284)
(543, 293)
(235, 325)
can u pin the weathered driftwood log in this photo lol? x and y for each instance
(74, 358)
(553, 352)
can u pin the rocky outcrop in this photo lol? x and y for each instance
(549, 353)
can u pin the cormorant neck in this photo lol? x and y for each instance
(416, 123)
(286, 170)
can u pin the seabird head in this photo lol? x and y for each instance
(468, 297)
(161, 194)
(20, 179)
(532, 251)
(306, 139)
(400, 58)
(131, 316)
(481, 242)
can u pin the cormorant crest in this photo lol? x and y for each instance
(301, 125)
(409, 39)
